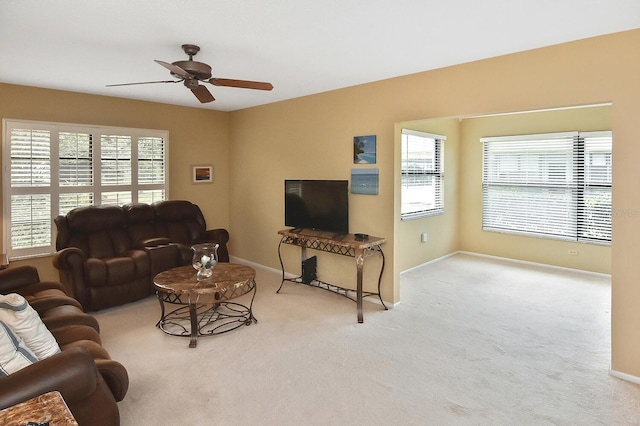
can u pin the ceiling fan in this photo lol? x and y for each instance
(191, 73)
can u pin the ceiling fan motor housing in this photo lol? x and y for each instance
(197, 69)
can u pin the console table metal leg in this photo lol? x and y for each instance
(359, 266)
(281, 265)
(379, 249)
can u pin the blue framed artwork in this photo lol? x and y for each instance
(364, 149)
(364, 181)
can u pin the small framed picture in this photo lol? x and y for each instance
(364, 181)
(202, 174)
(364, 149)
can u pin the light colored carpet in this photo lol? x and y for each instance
(474, 341)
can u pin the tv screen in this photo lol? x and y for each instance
(322, 205)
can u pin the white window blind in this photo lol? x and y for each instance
(75, 170)
(151, 168)
(29, 200)
(53, 168)
(594, 212)
(115, 159)
(549, 185)
(422, 189)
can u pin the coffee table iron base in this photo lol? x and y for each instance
(200, 318)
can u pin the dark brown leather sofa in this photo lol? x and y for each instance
(90, 382)
(108, 255)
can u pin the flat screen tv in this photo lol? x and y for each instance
(322, 205)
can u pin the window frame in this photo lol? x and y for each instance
(437, 173)
(91, 184)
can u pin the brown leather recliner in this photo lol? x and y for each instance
(96, 260)
(90, 382)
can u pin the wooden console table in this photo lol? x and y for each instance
(345, 245)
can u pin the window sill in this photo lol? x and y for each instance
(420, 215)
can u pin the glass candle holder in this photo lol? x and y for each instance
(205, 258)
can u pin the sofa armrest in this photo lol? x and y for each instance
(12, 279)
(115, 375)
(72, 372)
(162, 258)
(220, 236)
(152, 242)
(70, 263)
(69, 258)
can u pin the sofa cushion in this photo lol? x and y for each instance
(179, 220)
(95, 218)
(71, 333)
(14, 354)
(25, 321)
(63, 315)
(140, 222)
(115, 271)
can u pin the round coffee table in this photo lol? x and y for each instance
(205, 307)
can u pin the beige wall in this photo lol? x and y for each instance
(311, 137)
(307, 138)
(196, 136)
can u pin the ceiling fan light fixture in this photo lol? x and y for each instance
(191, 83)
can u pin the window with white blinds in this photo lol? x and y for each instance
(422, 189)
(52, 168)
(549, 185)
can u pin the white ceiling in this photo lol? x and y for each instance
(301, 46)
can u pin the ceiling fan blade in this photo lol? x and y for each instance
(245, 84)
(203, 94)
(174, 69)
(144, 82)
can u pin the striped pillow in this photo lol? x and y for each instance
(14, 354)
(25, 321)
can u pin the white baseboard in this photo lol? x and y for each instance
(253, 264)
(527, 262)
(505, 259)
(625, 376)
(431, 261)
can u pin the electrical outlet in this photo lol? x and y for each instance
(424, 237)
(573, 252)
